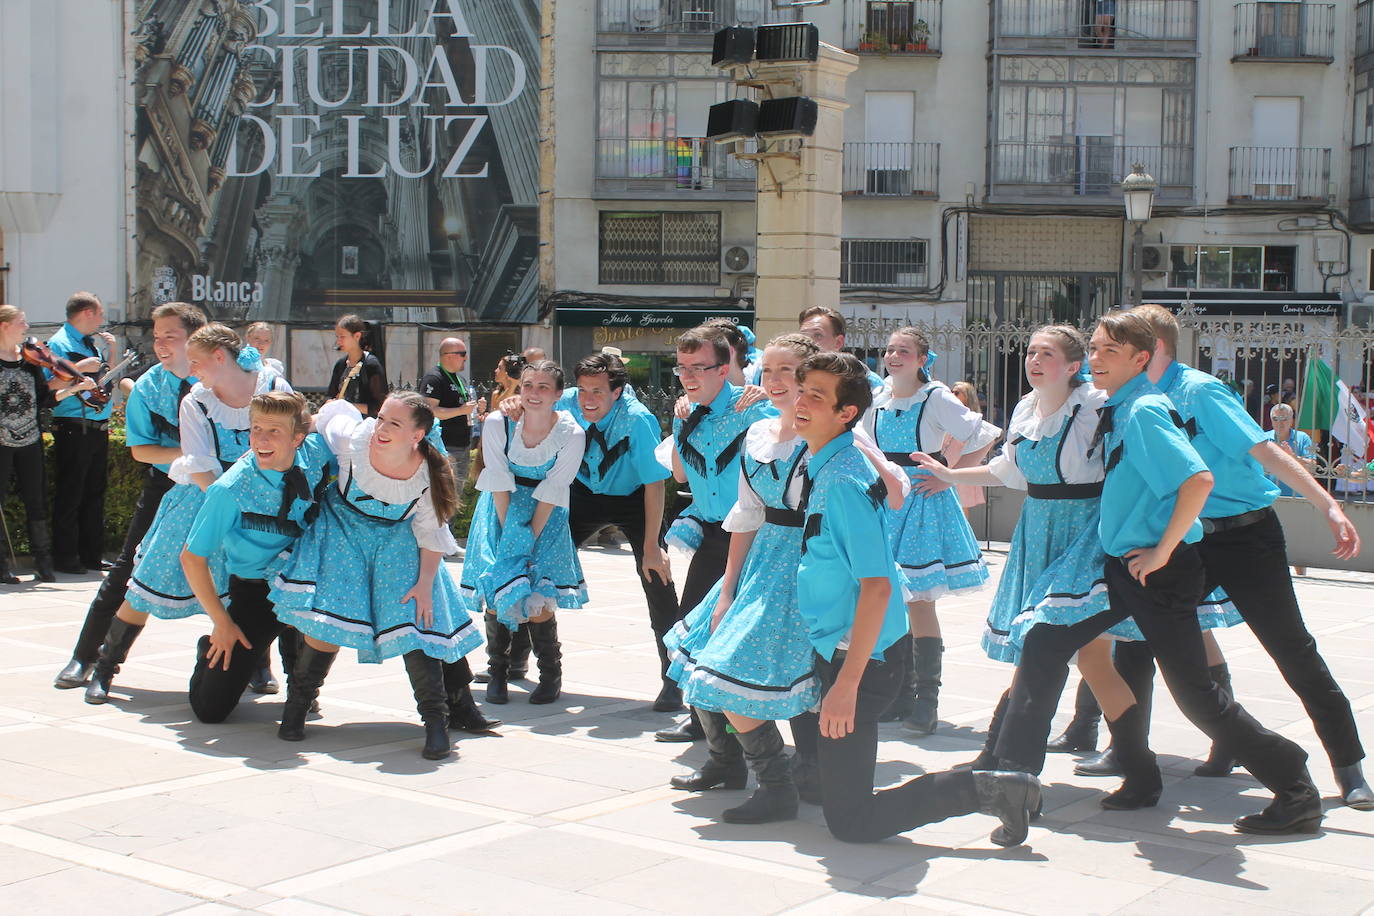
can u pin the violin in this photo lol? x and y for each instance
(38, 354)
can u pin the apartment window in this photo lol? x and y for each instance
(1364, 109)
(883, 262)
(679, 248)
(1267, 267)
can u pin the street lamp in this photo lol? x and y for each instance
(1138, 193)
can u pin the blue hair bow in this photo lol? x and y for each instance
(931, 357)
(249, 359)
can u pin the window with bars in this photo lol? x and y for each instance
(883, 262)
(680, 248)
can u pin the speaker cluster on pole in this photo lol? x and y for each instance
(792, 117)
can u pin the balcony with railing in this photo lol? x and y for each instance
(1364, 27)
(1362, 187)
(874, 169)
(1279, 174)
(651, 19)
(1088, 170)
(670, 164)
(898, 27)
(1282, 31)
(1138, 26)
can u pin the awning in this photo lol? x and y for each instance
(1250, 302)
(587, 317)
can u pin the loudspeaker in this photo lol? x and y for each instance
(732, 120)
(733, 46)
(794, 117)
(788, 41)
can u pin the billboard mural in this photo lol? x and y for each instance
(299, 159)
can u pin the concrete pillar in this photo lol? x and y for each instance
(799, 196)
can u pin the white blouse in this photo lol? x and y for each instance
(566, 440)
(348, 435)
(1074, 464)
(944, 415)
(198, 453)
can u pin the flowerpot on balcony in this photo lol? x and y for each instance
(867, 46)
(922, 46)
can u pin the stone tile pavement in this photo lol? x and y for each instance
(136, 808)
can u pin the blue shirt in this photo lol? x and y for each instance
(709, 443)
(152, 413)
(68, 343)
(245, 512)
(1301, 444)
(1223, 434)
(619, 457)
(844, 522)
(1148, 457)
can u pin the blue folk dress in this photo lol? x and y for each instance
(506, 570)
(758, 662)
(1054, 571)
(929, 535)
(213, 436)
(344, 581)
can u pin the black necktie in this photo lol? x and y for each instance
(294, 487)
(805, 500)
(89, 343)
(594, 434)
(1105, 424)
(182, 390)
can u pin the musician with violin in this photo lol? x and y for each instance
(24, 391)
(82, 439)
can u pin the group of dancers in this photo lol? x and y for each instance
(824, 527)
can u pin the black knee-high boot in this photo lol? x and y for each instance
(925, 713)
(987, 759)
(776, 797)
(302, 687)
(118, 640)
(498, 659)
(1135, 663)
(427, 682)
(806, 766)
(548, 652)
(1081, 733)
(462, 708)
(725, 767)
(1219, 762)
(40, 541)
(520, 647)
(1143, 783)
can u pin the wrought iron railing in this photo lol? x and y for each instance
(896, 263)
(1280, 173)
(897, 27)
(997, 297)
(685, 163)
(1088, 167)
(1268, 31)
(1362, 172)
(877, 169)
(690, 17)
(1075, 23)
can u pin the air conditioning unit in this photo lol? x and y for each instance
(737, 260)
(1154, 258)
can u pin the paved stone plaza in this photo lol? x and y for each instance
(135, 808)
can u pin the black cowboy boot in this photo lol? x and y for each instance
(1011, 796)
(725, 766)
(548, 652)
(431, 701)
(40, 542)
(1143, 784)
(925, 714)
(76, 674)
(7, 577)
(904, 703)
(1219, 762)
(118, 640)
(1081, 733)
(776, 797)
(1297, 809)
(262, 680)
(1136, 666)
(1355, 791)
(520, 646)
(463, 713)
(498, 659)
(302, 687)
(689, 729)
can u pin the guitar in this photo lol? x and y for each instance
(100, 395)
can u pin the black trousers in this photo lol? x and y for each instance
(116, 584)
(707, 566)
(78, 506)
(853, 811)
(26, 463)
(214, 692)
(1166, 612)
(589, 512)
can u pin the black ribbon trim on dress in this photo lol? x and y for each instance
(1064, 490)
(904, 459)
(784, 518)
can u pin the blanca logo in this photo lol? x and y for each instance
(164, 285)
(207, 289)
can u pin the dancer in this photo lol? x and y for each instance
(827, 328)
(368, 574)
(253, 513)
(521, 564)
(930, 536)
(358, 377)
(1243, 549)
(705, 451)
(23, 392)
(258, 335)
(152, 430)
(214, 421)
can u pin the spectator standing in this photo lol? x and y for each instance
(969, 495)
(453, 403)
(259, 336)
(358, 377)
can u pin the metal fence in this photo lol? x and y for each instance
(699, 17)
(898, 263)
(1089, 167)
(683, 163)
(1265, 31)
(1279, 173)
(1076, 20)
(882, 169)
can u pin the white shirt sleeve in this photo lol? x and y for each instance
(336, 422)
(429, 533)
(496, 476)
(862, 437)
(553, 489)
(953, 418)
(747, 513)
(663, 453)
(197, 444)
